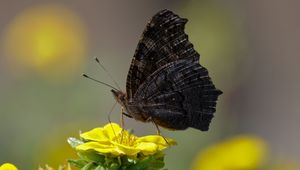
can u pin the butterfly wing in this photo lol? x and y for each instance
(179, 95)
(163, 41)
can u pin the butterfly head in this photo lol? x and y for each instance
(119, 96)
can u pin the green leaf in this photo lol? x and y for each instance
(156, 164)
(100, 168)
(150, 163)
(74, 142)
(92, 156)
(159, 155)
(114, 166)
(78, 163)
(89, 166)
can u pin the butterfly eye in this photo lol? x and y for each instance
(122, 97)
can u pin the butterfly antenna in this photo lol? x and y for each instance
(108, 85)
(109, 75)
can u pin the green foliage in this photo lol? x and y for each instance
(94, 161)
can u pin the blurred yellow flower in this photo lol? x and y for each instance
(56, 151)
(49, 39)
(112, 139)
(8, 166)
(239, 153)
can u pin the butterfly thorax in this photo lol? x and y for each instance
(130, 109)
(120, 97)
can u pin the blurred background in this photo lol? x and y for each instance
(249, 47)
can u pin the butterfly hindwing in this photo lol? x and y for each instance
(179, 95)
(163, 41)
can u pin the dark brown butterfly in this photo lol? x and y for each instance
(166, 84)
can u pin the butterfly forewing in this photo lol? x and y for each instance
(162, 42)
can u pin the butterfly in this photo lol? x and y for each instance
(166, 84)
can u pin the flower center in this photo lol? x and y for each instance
(125, 138)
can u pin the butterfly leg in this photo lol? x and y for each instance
(157, 128)
(122, 118)
(124, 113)
(122, 123)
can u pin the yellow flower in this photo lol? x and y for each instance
(241, 152)
(8, 166)
(112, 139)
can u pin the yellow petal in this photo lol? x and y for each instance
(96, 134)
(159, 140)
(125, 149)
(8, 166)
(111, 130)
(147, 148)
(93, 146)
(98, 147)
